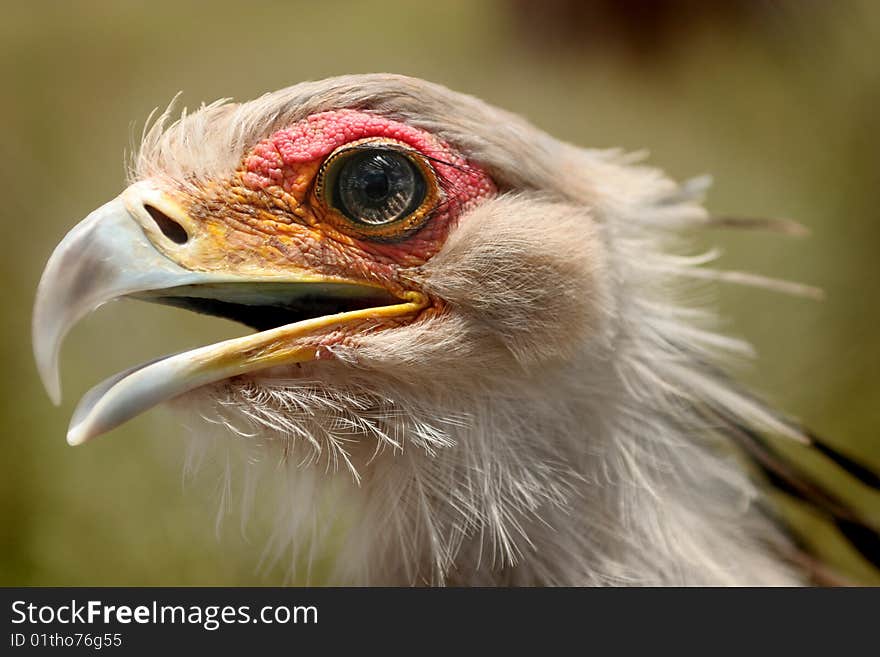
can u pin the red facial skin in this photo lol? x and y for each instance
(286, 162)
(267, 218)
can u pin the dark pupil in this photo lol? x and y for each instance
(378, 186)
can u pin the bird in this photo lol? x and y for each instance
(476, 348)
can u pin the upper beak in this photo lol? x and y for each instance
(113, 254)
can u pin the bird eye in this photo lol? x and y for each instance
(383, 190)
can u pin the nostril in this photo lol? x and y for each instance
(170, 228)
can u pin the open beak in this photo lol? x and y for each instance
(115, 252)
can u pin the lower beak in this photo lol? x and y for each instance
(109, 255)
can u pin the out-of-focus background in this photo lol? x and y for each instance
(778, 100)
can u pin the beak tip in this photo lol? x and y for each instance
(51, 383)
(45, 346)
(53, 389)
(76, 436)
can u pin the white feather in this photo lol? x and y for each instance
(543, 430)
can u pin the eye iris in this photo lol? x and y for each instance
(378, 186)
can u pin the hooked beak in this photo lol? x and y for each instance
(115, 253)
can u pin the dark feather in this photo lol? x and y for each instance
(790, 479)
(775, 225)
(856, 469)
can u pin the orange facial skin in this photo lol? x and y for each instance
(268, 217)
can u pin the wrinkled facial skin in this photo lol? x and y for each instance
(268, 216)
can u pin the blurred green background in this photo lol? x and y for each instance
(778, 100)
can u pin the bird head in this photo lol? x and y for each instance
(378, 221)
